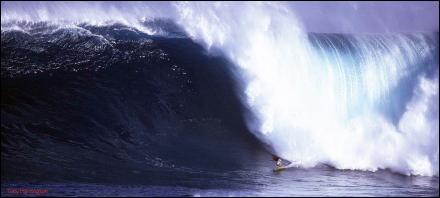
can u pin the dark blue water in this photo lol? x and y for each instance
(258, 181)
(111, 111)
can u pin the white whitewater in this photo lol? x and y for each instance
(318, 106)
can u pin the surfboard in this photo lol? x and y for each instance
(278, 169)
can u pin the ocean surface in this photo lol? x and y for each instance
(256, 181)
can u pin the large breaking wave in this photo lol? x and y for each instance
(354, 101)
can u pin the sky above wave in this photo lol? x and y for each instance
(368, 16)
(340, 17)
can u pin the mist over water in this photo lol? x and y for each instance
(353, 101)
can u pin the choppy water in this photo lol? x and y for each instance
(321, 181)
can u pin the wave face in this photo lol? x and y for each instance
(95, 103)
(363, 102)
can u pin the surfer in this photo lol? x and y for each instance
(278, 160)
